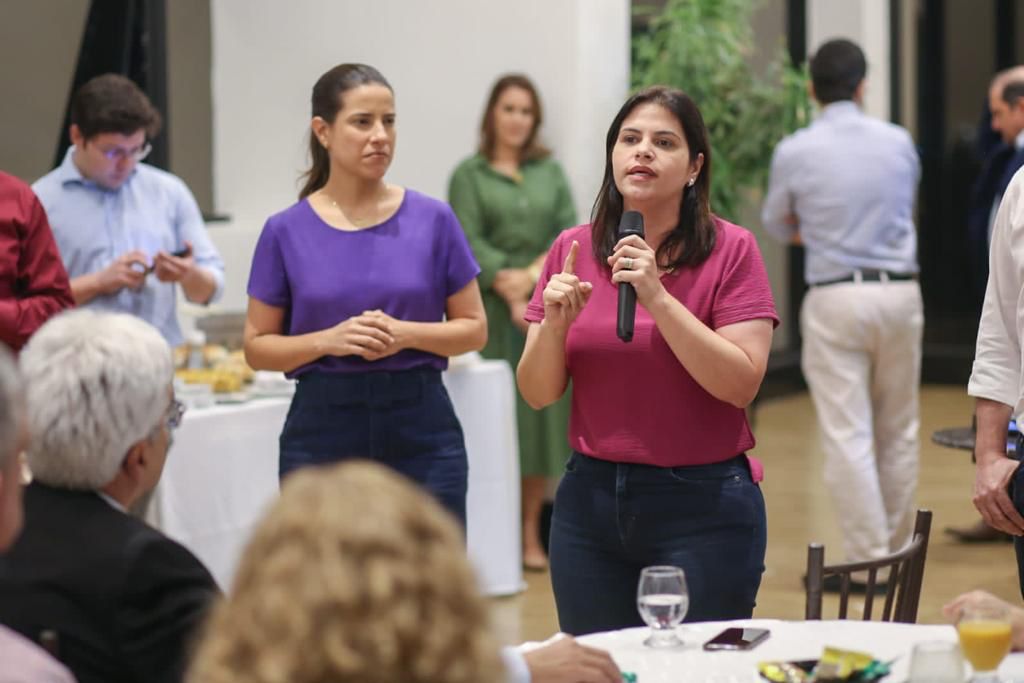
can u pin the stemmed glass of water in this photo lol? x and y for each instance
(662, 599)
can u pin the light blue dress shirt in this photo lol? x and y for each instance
(849, 181)
(152, 211)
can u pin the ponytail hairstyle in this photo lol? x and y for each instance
(327, 102)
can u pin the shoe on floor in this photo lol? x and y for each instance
(978, 533)
(535, 561)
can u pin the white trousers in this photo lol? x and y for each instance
(862, 361)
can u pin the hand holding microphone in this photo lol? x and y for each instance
(635, 269)
(565, 294)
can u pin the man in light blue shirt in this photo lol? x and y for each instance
(845, 187)
(128, 233)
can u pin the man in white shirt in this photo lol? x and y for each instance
(996, 379)
(1006, 104)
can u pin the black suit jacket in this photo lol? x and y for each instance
(999, 163)
(124, 599)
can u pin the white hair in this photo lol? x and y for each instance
(96, 384)
(12, 405)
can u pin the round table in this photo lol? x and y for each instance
(789, 641)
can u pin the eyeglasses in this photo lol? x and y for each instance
(174, 414)
(120, 153)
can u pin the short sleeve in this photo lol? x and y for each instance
(744, 292)
(552, 265)
(462, 267)
(268, 278)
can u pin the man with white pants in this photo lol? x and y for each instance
(845, 188)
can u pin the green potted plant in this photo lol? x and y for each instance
(704, 47)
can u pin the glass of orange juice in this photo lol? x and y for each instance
(985, 639)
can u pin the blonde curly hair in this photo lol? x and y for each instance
(354, 575)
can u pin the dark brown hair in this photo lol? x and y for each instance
(837, 69)
(532, 148)
(693, 238)
(113, 104)
(326, 103)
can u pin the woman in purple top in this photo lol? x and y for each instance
(361, 291)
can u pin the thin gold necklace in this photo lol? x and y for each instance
(358, 222)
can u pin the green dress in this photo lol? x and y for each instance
(509, 224)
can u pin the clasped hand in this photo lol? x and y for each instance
(371, 335)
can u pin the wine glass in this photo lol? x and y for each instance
(985, 639)
(662, 599)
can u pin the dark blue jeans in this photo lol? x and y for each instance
(401, 419)
(611, 520)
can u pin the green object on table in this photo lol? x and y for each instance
(628, 677)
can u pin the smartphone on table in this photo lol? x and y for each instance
(738, 638)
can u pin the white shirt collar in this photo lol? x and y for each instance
(113, 503)
(1018, 142)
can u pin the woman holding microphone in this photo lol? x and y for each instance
(659, 472)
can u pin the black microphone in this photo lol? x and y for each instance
(632, 223)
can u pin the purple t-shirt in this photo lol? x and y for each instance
(406, 266)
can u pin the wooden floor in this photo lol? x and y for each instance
(799, 511)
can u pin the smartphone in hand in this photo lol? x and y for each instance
(182, 253)
(736, 638)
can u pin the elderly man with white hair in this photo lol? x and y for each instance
(123, 599)
(22, 661)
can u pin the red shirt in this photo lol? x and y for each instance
(635, 403)
(33, 282)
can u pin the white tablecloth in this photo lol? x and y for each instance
(789, 641)
(221, 475)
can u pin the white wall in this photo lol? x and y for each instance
(440, 56)
(865, 22)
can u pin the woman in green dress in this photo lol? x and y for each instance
(513, 199)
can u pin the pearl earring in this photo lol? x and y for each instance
(692, 181)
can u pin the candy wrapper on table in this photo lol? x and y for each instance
(835, 665)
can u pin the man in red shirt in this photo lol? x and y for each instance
(33, 283)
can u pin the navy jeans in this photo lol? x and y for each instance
(402, 419)
(611, 520)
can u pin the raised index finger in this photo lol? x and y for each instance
(569, 268)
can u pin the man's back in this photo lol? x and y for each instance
(850, 182)
(124, 600)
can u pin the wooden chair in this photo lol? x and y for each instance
(903, 591)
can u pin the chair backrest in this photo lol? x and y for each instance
(903, 589)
